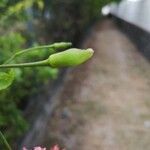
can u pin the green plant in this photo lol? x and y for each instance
(16, 35)
(70, 57)
(66, 58)
(3, 139)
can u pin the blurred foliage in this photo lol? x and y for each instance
(15, 9)
(14, 36)
(24, 23)
(69, 19)
(18, 95)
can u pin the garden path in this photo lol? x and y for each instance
(105, 104)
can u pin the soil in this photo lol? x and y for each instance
(105, 104)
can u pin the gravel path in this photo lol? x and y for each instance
(105, 104)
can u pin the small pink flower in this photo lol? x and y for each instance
(55, 148)
(39, 148)
(35, 148)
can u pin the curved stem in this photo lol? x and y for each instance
(5, 141)
(10, 59)
(54, 46)
(31, 64)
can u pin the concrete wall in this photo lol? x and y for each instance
(133, 16)
(136, 12)
(140, 37)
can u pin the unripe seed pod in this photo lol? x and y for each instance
(70, 57)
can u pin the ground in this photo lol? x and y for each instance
(105, 104)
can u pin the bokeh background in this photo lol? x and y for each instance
(102, 105)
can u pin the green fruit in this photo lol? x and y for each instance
(70, 57)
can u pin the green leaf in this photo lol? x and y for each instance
(6, 79)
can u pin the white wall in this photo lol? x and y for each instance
(136, 12)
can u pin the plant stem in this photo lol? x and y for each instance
(5, 141)
(31, 64)
(55, 46)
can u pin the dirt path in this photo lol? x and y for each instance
(106, 102)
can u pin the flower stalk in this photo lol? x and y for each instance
(22, 65)
(68, 58)
(5, 141)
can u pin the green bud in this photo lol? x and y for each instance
(70, 57)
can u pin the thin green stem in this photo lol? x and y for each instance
(55, 46)
(31, 64)
(10, 59)
(5, 141)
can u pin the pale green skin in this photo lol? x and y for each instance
(69, 58)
